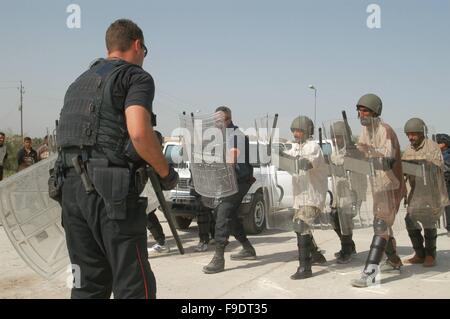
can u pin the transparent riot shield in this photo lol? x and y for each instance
(308, 175)
(205, 145)
(32, 220)
(427, 196)
(377, 156)
(265, 150)
(349, 188)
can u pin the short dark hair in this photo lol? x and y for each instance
(225, 110)
(2, 134)
(27, 139)
(121, 33)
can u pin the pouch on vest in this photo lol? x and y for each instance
(54, 186)
(112, 184)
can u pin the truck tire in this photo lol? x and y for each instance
(255, 221)
(182, 222)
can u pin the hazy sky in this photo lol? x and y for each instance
(255, 56)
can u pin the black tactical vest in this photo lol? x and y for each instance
(88, 119)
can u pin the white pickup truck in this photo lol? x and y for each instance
(185, 202)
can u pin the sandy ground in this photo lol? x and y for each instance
(180, 276)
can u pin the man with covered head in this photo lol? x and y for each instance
(443, 141)
(427, 195)
(380, 147)
(309, 191)
(349, 190)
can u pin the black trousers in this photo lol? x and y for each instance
(227, 220)
(155, 228)
(1, 173)
(111, 255)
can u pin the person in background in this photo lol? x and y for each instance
(3, 153)
(43, 151)
(26, 156)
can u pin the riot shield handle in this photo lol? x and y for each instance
(274, 125)
(347, 131)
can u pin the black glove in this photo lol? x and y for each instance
(304, 164)
(170, 181)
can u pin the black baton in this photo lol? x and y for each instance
(165, 208)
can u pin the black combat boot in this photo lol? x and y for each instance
(393, 261)
(337, 229)
(430, 247)
(246, 253)
(217, 264)
(417, 242)
(317, 257)
(347, 249)
(370, 272)
(304, 244)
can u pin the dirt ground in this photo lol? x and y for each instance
(180, 276)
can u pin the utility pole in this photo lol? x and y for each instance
(21, 89)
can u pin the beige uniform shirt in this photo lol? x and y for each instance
(388, 186)
(310, 187)
(427, 196)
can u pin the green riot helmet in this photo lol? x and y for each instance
(340, 132)
(372, 102)
(338, 128)
(304, 124)
(416, 125)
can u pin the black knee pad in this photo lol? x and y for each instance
(301, 227)
(410, 225)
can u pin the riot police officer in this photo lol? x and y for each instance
(309, 191)
(227, 220)
(106, 108)
(443, 141)
(349, 190)
(380, 147)
(427, 195)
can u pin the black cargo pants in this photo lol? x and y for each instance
(110, 253)
(227, 219)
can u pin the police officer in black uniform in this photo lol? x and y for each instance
(107, 108)
(227, 220)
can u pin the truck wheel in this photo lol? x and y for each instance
(254, 222)
(182, 222)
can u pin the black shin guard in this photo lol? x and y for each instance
(377, 248)
(430, 241)
(347, 244)
(417, 242)
(391, 251)
(304, 244)
(336, 223)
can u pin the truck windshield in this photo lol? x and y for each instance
(174, 154)
(326, 149)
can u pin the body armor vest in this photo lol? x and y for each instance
(89, 119)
